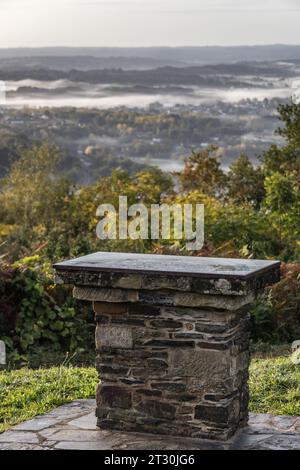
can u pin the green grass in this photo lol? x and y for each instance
(25, 393)
(275, 386)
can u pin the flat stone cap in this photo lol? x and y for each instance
(168, 265)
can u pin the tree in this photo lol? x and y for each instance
(10, 149)
(281, 160)
(282, 203)
(203, 173)
(30, 184)
(285, 159)
(245, 183)
(290, 116)
(32, 199)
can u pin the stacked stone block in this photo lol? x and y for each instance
(172, 351)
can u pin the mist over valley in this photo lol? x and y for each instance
(137, 107)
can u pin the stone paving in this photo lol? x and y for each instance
(73, 427)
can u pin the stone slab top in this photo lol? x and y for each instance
(169, 265)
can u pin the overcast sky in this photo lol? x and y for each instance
(37, 23)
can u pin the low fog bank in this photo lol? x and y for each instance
(64, 93)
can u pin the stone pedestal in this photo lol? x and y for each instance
(171, 339)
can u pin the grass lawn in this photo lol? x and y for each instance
(275, 386)
(25, 393)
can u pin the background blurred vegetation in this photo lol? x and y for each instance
(250, 211)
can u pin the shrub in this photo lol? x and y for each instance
(276, 316)
(36, 313)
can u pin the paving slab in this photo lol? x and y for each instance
(73, 427)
